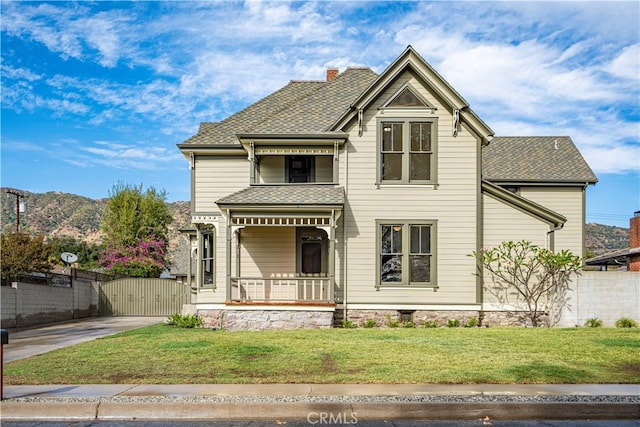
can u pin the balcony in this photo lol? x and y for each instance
(280, 289)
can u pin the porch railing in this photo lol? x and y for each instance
(270, 289)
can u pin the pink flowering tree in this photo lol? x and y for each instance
(145, 258)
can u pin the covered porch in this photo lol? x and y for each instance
(280, 244)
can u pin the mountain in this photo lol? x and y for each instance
(63, 214)
(601, 239)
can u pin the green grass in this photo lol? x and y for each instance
(163, 355)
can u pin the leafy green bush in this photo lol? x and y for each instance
(348, 324)
(472, 323)
(392, 323)
(593, 322)
(430, 323)
(370, 323)
(626, 322)
(408, 324)
(184, 320)
(453, 323)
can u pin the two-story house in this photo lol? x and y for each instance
(361, 197)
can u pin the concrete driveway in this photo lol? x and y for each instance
(25, 343)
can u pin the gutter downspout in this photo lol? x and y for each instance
(551, 235)
(345, 229)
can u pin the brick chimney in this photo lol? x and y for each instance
(332, 73)
(634, 242)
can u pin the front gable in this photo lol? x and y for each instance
(410, 61)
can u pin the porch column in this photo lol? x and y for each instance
(229, 236)
(332, 261)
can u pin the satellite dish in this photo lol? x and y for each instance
(68, 257)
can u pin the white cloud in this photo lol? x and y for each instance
(525, 69)
(120, 156)
(627, 63)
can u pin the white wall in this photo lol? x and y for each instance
(605, 295)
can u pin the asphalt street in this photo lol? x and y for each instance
(363, 423)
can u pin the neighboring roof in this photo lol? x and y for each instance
(290, 195)
(535, 159)
(526, 205)
(299, 107)
(618, 257)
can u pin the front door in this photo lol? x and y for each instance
(311, 251)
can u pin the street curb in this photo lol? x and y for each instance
(337, 411)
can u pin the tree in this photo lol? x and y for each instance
(88, 254)
(131, 214)
(135, 224)
(23, 253)
(537, 278)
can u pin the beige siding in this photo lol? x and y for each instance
(216, 177)
(324, 168)
(272, 169)
(268, 252)
(567, 201)
(505, 223)
(452, 203)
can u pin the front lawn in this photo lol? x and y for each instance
(160, 354)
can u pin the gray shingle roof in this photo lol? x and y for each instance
(286, 195)
(535, 158)
(299, 107)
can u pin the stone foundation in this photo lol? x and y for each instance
(260, 320)
(395, 318)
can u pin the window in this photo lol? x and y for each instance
(207, 251)
(407, 151)
(300, 169)
(405, 253)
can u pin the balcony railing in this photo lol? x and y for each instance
(270, 289)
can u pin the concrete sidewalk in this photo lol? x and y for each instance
(301, 401)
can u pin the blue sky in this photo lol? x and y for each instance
(96, 93)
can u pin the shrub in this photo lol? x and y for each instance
(408, 324)
(184, 320)
(626, 322)
(430, 323)
(453, 323)
(370, 323)
(593, 322)
(472, 323)
(348, 324)
(393, 323)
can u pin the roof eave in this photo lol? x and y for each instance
(532, 208)
(544, 182)
(318, 138)
(212, 149)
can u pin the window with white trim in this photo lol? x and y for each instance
(406, 253)
(407, 150)
(207, 250)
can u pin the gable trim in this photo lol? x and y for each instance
(410, 59)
